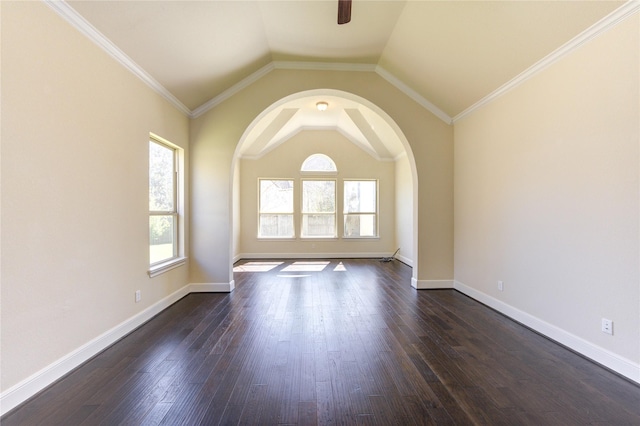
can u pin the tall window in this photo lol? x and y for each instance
(276, 209)
(360, 208)
(319, 208)
(163, 203)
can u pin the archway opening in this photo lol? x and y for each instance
(347, 117)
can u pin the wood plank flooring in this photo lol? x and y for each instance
(333, 342)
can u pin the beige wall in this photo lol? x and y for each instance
(215, 135)
(284, 162)
(404, 210)
(546, 189)
(237, 223)
(546, 197)
(75, 128)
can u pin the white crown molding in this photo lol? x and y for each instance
(399, 156)
(232, 90)
(398, 84)
(76, 20)
(282, 65)
(603, 25)
(299, 129)
(324, 66)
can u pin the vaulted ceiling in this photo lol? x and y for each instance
(451, 54)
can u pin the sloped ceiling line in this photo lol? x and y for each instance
(603, 25)
(284, 65)
(398, 84)
(365, 128)
(271, 131)
(77, 21)
(338, 129)
(197, 112)
(323, 66)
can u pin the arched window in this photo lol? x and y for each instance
(318, 163)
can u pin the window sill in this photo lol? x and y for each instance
(317, 238)
(361, 238)
(161, 268)
(276, 238)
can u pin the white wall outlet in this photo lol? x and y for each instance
(500, 286)
(138, 296)
(607, 326)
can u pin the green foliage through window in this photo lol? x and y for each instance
(163, 213)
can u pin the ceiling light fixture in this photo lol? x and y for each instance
(322, 106)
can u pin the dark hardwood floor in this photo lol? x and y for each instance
(333, 342)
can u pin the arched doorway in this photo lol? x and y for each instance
(361, 122)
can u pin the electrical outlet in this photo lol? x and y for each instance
(138, 296)
(500, 286)
(607, 326)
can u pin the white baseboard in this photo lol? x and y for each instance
(404, 260)
(212, 287)
(430, 284)
(620, 365)
(33, 384)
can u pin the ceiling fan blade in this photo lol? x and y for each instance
(344, 11)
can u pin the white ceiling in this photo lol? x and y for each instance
(450, 53)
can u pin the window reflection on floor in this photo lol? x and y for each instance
(288, 266)
(256, 266)
(306, 266)
(339, 268)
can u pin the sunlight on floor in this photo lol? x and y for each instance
(256, 266)
(298, 266)
(304, 266)
(339, 268)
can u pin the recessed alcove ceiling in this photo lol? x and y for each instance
(358, 123)
(448, 54)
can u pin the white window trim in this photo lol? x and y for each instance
(179, 257)
(292, 213)
(335, 212)
(376, 213)
(319, 154)
(162, 267)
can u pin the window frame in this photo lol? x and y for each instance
(375, 214)
(307, 171)
(177, 258)
(334, 214)
(292, 213)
